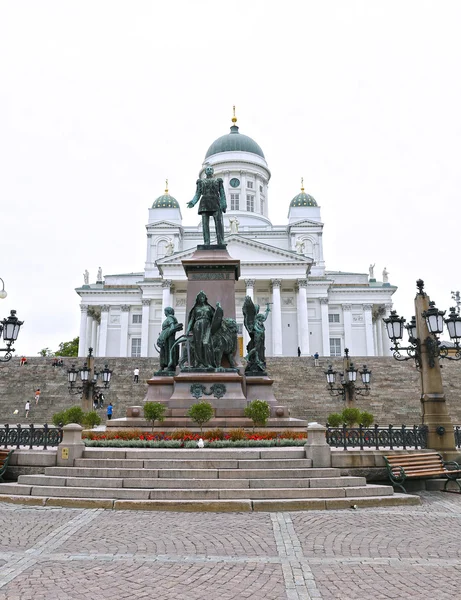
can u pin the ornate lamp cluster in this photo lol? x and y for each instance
(9, 329)
(88, 378)
(434, 321)
(348, 380)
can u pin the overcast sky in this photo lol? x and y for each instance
(100, 101)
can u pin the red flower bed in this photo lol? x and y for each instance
(186, 436)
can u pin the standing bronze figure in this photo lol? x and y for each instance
(169, 353)
(256, 347)
(210, 192)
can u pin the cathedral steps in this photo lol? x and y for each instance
(148, 479)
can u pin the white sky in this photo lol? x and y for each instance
(100, 101)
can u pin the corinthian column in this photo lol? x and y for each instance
(303, 334)
(277, 347)
(145, 327)
(124, 329)
(325, 327)
(103, 330)
(82, 351)
(367, 311)
(166, 294)
(347, 316)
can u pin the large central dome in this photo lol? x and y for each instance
(234, 142)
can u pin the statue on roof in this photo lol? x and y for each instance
(210, 192)
(86, 277)
(371, 271)
(385, 275)
(99, 275)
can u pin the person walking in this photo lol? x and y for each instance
(136, 375)
(299, 351)
(27, 408)
(37, 395)
(316, 359)
(109, 411)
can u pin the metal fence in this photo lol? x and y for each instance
(378, 437)
(30, 437)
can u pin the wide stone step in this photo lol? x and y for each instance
(112, 463)
(194, 454)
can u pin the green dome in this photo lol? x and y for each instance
(234, 142)
(165, 201)
(303, 199)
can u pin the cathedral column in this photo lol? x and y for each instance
(325, 327)
(145, 327)
(82, 351)
(89, 325)
(97, 340)
(124, 329)
(368, 315)
(385, 340)
(94, 327)
(249, 291)
(303, 332)
(243, 195)
(277, 347)
(103, 330)
(149, 248)
(166, 294)
(347, 316)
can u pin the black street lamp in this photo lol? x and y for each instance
(348, 389)
(426, 350)
(88, 387)
(9, 327)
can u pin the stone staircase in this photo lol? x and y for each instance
(199, 479)
(298, 384)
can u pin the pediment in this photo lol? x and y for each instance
(163, 225)
(305, 223)
(248, 251)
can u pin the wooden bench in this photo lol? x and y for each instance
(425, 464)
(4, 459)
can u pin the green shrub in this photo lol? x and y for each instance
(366, 418)
(258, 411)
(201, 412)
(154, 411)
(351, 416)
(74, 414)
(335, 419)
(58, 418)
(91, 419)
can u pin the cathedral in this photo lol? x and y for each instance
(312, 309)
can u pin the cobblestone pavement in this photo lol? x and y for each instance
(371, 554)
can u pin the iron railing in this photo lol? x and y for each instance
(377, 437)
(30, 436)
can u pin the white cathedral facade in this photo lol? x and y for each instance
(312, 309)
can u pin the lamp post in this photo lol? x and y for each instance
(425, 349)
(348, 389)
(88, 381)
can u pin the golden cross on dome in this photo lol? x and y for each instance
(302, 184)
(166, 186)
(234, 118)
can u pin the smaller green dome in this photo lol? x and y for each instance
(303, 199)
(165, 201)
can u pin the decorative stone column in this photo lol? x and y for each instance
(83, 329)
(325, 326)
(277, 346)
(249, 291)
(166, 294)
(103, 330)
(145, 327)
(368, 317)
(316, 447)
(385, 340)
(303, 333)
(124, 329)
(347, 316)
(94, 327)
(149, 249)
(72, 445)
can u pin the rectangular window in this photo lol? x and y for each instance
(333, 318)
(250, 185)
(261, 189)
(135, 347)
(137, 319)
(335, 346)
(234, 201)
(250, 202)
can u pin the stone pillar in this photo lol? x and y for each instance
(103, 330)
(124, 329)
(316, 446)
(325, 327)
(277, 347)
(303, 334)
(145, 327)
(71, 447)
(149, 249)
(166, 294)
(375, 338)
(94, 326)
(83, 328)
(386, 345)
(250, 291)
(243, 195)
(97, 340)
(368, 317)
(89, 326)
(347, 316)
(380, 341)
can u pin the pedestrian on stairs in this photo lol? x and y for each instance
(136, 375)
(109, 411)
(37, 395)
(27, 408)
(316, 359)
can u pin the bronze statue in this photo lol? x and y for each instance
(169, 353)
(210, 192)
(256, 347)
